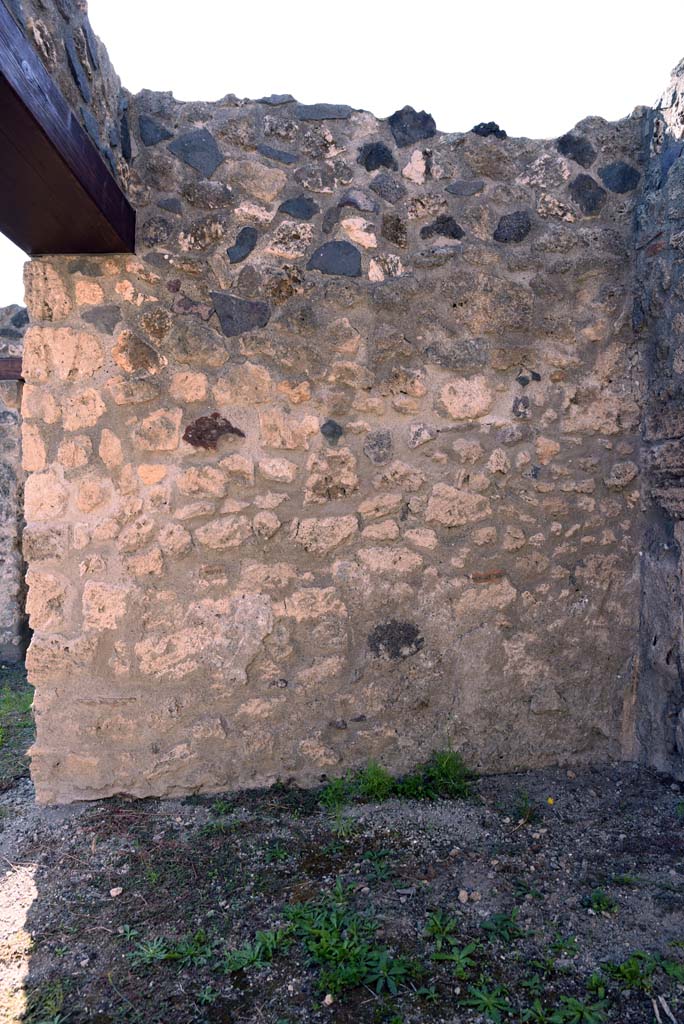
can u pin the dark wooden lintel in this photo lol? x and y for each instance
(10, 368)
(57, 195)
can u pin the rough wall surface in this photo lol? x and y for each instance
(659, 322)
(13, 323)
(344, 463)
(61, 35)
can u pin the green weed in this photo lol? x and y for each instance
(492, 1003)
(600, 902)
(503, 927)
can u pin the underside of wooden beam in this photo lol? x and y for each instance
(56, 193)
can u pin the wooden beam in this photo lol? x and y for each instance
(57, 195)
(10, 368)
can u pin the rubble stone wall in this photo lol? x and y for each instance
(13, 322)
(344, 464)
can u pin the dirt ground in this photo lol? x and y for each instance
(554, 897)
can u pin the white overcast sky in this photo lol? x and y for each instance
(535, 67)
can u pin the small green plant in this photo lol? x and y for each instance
(220, 808)
(276, 853)
(535, 1014)
(44, 1004)
(636, 972)
(385, 973)
(340, 826)
(336, 793)
(565, 945)
(441, 929)
(207, 995)
(679, 810)
(374, 783)
(148, 952)
(460, 960)
(376, 861)
(673, 969)
(574, 1011)
(600, 902)
(492, 1002)
(524, 810)
(503, 927)
(257, 953)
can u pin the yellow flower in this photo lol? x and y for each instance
(550, 801)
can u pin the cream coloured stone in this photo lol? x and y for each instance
(151, 474)
(360, 232)
(239, 467)
(146, 563)
(513, 538)
(416, 169)
(87, 293)
(499, 462)
(104, 605)
(202, 480)
(476, 605)
(224, 532)
(60, 352)
(453, 506)
(160, 431)
(265, 524)
(232, 505)
(254, 177)
(546, 448)
(174, 539)
(45, 496)
(279, 430)
(45, 600)
(466, 398)
(295, 393)
(93, 493)
(400, 474)
(45, 293)
(110, 450)
(320, 536)
(195, 510)
(332, 476)
(82, 410)
(270, 500)
(387, 265)
(387, 530)
(484, 537)
(75, 452)
(422, 538)
(134, 354)
(188, 387)
(278, 470)
(381, 505)
(131, 392)
(136, 535)
(290, 240)
(33, 453)
(248, 384)
(397, 560)
(39, 404)
(311, 603)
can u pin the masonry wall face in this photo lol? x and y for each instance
(344, 463)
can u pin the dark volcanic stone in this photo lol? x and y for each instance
(445, 226)
(237, 316)
(277, 154)
(124, 129)
(465, 188)
(461, 354)
(209, 195)
(374, 155)
(197, 149)
(408, 125)
(171, 205)
(486, 128)
(206, 430)
(436, 255)
(578, 148)
(105, 318)
(588, 194)
(151, 132)
(330, 219)
(332, 431)
(277, 99)
(322, 111)
(244, 243)
(394, 640)
(76, 68)
(91, 125)
(336, 258)
(155, 231)
(619, 177)
(388, 188)
(394, 230)
(378, 447)
(91, 44)
(15, 10)
(301, 208)
(513, 227)
(360, 200)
